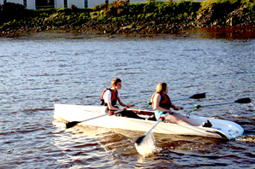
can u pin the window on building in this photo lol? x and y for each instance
(86, 3)
(42, 4)
(25, 3)
(65, 3)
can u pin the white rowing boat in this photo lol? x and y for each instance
(222, 129)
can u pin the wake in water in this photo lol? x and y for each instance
(248, 139)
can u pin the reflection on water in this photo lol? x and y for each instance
(37, 73)
(174, 151)
(238, 32)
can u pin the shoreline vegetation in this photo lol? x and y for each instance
(124, 18)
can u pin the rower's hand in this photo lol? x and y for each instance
(124, 109)
(170, 112)
(178, 108)
(128, 106)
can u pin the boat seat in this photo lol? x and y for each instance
(152, 118)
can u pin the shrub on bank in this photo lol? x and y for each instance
(12, 11)
(226, 12)
(156, 15)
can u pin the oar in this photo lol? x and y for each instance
(73, 123)
(195, 96)
(140, 139)
(241, 101)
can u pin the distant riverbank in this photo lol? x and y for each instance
(122, 18)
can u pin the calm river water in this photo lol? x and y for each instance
(36, 73)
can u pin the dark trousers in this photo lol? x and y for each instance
(129, 113)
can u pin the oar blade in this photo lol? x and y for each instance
(243, 100)
(71, 124)
(198, 96)
(145, 145)
(139, 140)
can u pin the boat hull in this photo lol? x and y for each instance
(222, 129)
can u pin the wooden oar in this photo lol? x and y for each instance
(241, 101)
(73, 123)
(140, 139)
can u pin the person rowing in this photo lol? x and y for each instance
(162, 103)
(111, 96)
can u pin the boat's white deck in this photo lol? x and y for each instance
(221, 128)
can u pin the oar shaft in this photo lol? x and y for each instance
(215, 104)
(152, 127)
(102, 115)
(183, 98)
(160, 120)
(73, 123)
(195, 96)
(205, 105)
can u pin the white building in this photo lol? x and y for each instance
(92, 3)
(36, 4)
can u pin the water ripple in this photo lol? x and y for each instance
(35, 74)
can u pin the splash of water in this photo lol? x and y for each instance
(147, 147)
(252, 105)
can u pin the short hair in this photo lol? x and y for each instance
(115, 81)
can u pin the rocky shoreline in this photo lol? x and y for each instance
(237, 17)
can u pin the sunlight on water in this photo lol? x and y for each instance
(60, 125)
(147, 147)
(248, 139)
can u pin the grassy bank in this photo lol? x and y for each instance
(121, 17)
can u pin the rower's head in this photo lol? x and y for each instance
(162, 88)
(116, 83)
